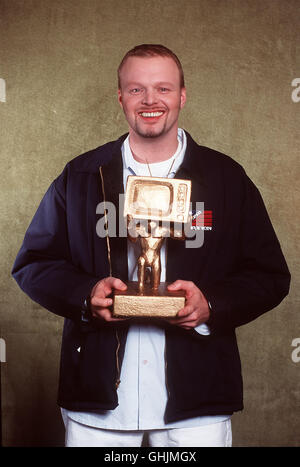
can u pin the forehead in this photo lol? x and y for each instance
(145, 70)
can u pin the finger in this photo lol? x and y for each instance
(101, 302)
(111, 283)
(182, 313)
(105, 314)
(187, 319)
(190, 319)
(188, 286)
(184, 324)
(105, 286)
(177, 285)
(190, 322)
(186, 311)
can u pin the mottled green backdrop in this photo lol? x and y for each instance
(58, 59)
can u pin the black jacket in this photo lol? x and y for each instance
(240, 269)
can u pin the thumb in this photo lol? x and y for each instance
(177, 285)
(114, 283)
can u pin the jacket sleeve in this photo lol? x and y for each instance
(43, 267)
(260, 278)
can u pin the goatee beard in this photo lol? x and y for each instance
(149, 133)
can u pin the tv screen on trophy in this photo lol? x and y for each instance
(151, 198)
(157, 198)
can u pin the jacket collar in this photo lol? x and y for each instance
(192, 165)
(189, 166)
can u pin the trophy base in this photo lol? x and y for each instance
(160, 303)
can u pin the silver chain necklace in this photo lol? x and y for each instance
(169, 171)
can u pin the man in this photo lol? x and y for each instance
(179, 379)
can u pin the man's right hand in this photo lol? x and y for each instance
(100, 302)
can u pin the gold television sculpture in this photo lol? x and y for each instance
(155, 208)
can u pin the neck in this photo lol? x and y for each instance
(153, 149)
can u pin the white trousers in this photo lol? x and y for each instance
(214, 435)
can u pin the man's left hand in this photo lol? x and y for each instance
(196, 310)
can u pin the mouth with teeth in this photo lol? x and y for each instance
(151, 116)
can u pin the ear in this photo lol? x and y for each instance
(120, 98)
(182, 97)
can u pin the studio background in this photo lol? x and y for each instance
(59, 59)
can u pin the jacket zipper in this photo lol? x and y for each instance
(105, 217)
(117, 383)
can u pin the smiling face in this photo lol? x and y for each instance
(151, 96)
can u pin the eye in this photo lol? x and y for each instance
(135, 91)
(163, 89)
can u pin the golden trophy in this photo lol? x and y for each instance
(155, 208)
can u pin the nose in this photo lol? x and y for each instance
(149, 97)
